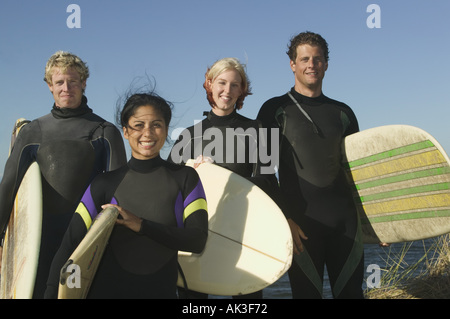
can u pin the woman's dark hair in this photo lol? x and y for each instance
(141, 93)
(143, 99)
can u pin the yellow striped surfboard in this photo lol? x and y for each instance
(401, 180)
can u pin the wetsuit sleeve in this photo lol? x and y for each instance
(266, 163)
(353, 127)
(74, 235)
(99, 192)
(267, 117)
(270, 138)
(78, 227)
(265, 171)
(21, 157)
(192, 234)
(115, 149)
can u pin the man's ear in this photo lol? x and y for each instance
(292, 64)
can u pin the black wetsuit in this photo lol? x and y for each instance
(71, 147)
(170, 200)
(218, 137)
(212, 138)
(319, 197)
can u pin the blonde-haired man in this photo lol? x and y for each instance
(71, 144)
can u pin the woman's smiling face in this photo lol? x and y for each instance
(226, 89)
(146, 132)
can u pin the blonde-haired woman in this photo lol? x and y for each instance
(227, 85)
(227, 71)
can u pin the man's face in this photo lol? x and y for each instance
(309, 70)
(67, 88)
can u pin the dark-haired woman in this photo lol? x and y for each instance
(162, 209)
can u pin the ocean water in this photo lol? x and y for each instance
(373, 255)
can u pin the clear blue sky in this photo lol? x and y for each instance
(396, 74)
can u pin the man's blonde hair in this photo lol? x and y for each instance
(64, 61)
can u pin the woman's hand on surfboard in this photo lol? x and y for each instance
(128, 219)
(297, 236)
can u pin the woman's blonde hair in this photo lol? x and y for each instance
(218, 68)
(64, 61)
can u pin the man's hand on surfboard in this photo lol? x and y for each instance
(297, 236)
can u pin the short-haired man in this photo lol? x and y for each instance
(71, 144)
(321, 213)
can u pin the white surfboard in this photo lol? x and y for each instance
(401, 180)
(249, 244)
(23, 238)
(79, 271)
(22, 241)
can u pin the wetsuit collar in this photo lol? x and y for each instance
(61, 113)
(145, 166)
(217, 120)
(308, 100)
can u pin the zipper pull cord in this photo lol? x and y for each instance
(304, 113)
